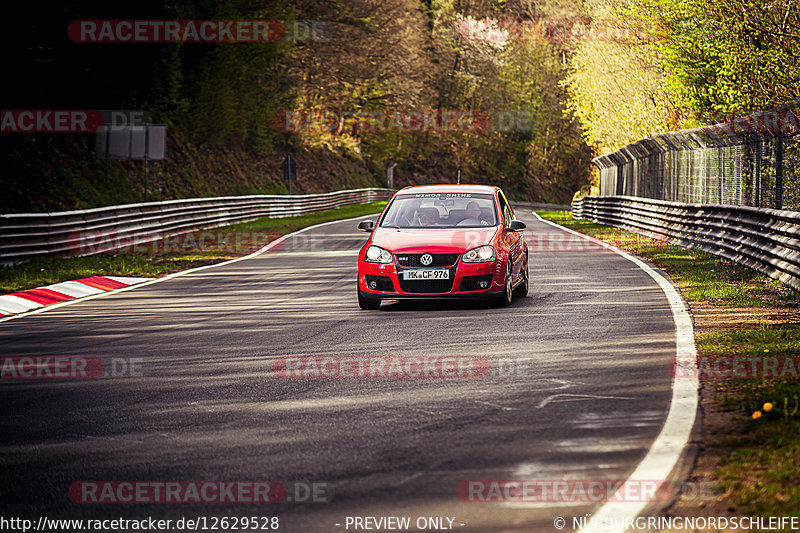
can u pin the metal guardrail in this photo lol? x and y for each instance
(539, 206)
(767, 240)
(29, 235)
(751, 160)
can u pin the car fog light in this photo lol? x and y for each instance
(373, 284)
(483, 284)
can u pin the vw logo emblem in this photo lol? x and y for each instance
(426, 259)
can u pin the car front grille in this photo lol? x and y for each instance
(426, 285)
(439, 260)
(382, 283)
(472, 283)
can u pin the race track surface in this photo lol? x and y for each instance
(579, 388)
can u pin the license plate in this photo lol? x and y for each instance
(426, 274)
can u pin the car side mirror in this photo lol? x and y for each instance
(366, 225)
(516, 225)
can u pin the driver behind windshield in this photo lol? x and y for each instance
(406, 218)
(473, 216)
(424, 218)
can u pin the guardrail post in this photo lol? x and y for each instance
(778, 172)
(757, 151)
(720, 174)
(703, 176)
(738, 173)
(687, 173)
(674, 171)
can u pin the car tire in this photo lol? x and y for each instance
(504, 300)
(522, 289)
(367, 303)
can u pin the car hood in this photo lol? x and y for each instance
(438, 240)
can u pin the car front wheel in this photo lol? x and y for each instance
(504, 300)
(522, 289)
(367, 303)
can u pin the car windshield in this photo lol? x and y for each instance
(446, 210)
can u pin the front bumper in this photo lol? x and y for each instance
(465, 280)
(483, 295)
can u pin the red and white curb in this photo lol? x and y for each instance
(23, 301)
(142, 282)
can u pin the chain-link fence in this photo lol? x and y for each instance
(751, 161)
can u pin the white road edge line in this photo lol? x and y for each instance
(181, 273)
(666, 450)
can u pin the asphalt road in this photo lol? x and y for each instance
(584, 391)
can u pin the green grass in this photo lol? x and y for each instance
(701, 276)
(762, 474)
(290, 224)
(48, 270)
(748, 394)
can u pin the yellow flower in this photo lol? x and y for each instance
(766, 350)
(768, 406)
(757, 414)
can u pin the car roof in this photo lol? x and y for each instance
(449, 188)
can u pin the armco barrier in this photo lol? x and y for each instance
(767, 240)
(36, 234)
(537, 206)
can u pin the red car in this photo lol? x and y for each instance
(444, 241)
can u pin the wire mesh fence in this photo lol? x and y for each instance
(752, 161)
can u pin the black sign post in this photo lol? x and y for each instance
(390, 175)
(289, 170)
(132, 142)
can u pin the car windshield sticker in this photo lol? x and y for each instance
(444, 195)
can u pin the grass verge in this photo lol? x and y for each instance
(171, 254)
(759, 471)
(699, 275)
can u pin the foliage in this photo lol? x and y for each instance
(616, 83)
(223, 101)
(727, 55)
(682, 62)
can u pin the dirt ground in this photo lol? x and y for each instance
(710, 318)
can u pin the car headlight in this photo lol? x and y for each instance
(481, 254)
(376, 254)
